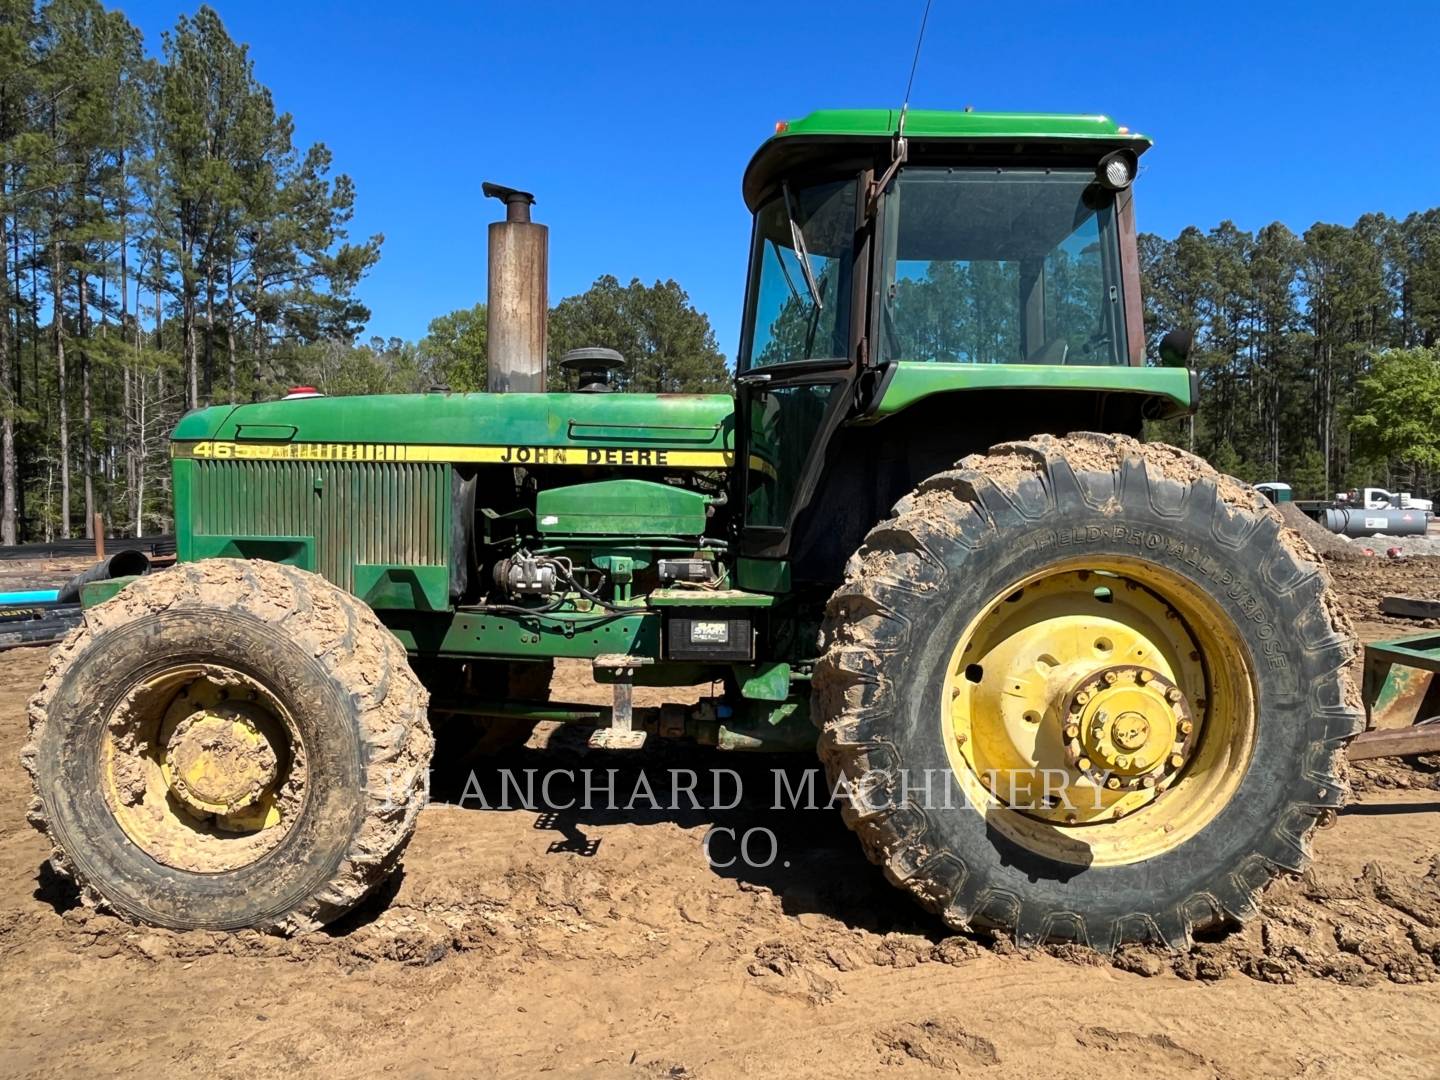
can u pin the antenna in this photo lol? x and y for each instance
(900, 152)
(914, 63)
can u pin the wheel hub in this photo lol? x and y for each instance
(221, 759)
(1078, 698)
(1127, 728)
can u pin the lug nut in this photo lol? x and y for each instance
(1113, 783)
(1149, 781)
(1186, 727)
(1110, 678)
(1083, 696)
(1072, 731)
(1122, 761)
(1146, 676)
(1176, 760)
(1173, 694)
(1083, 764)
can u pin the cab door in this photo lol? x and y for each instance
(799, 351)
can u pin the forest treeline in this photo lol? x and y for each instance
(1317, 353)
(165, 244)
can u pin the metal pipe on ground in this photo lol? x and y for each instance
(121, 564)
(517, 302)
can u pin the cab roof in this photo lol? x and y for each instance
(842, 134)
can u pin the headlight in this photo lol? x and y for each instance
(1117, 169)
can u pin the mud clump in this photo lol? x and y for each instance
(1383, 925)
(1396, 774)
(1360, 583)
(939, 1042)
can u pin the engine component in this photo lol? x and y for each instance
(592, 367)
(621, 507)
(519, 273)
(523, 574)
(709, 636)
(686, 570)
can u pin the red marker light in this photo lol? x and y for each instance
(301, 392)
(782, 126)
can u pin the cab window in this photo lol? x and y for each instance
(1001, 266)
(800, 275)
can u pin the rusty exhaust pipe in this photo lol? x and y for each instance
(517, 301)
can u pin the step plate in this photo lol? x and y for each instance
(612, 739)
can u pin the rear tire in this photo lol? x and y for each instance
(960, 542)
(344, 767)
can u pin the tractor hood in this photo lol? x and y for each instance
(637, 430)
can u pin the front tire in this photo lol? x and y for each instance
(982, 629)
(228, 744)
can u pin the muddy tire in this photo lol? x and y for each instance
(297, 680)
(927, 582)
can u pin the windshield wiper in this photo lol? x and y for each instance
(785, 270)
(798, 239)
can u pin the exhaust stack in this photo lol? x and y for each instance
(517, 302)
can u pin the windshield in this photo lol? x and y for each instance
(786, 322)
(1001, 266)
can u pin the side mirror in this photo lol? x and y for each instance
(1175, 348)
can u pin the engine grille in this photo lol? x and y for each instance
(395, 513)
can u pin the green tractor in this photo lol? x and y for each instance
(1068, 685)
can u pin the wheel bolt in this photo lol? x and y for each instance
(1122, 761)
(1072, 731)
(1173, 694)
(1083, 696)
(1146, 676)
(1149, 781)
(1113, 783)
(1110, 677)
(1186, 727)
(1083, 764)
(1176, 761)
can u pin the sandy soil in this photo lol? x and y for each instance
(603, 944)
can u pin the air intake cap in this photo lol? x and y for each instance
(593, 366)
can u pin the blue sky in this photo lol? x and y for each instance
(633, 123)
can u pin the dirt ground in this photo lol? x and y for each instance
(603, 944)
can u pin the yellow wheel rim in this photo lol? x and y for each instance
(204, 769)
(1100, 711)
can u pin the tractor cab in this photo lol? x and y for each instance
(995, 250)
